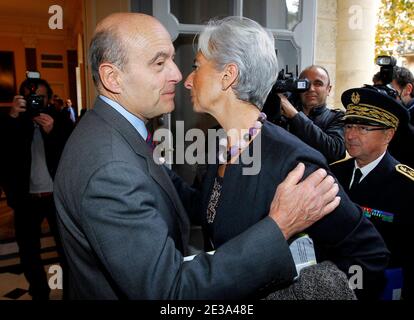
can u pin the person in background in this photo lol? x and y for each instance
(312, 120)
(35, 140)
(403, 83)
(402, 144)
(70, 110)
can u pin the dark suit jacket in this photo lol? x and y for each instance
(344, 236)
(386, 190)
(17, 146)
(125, 231)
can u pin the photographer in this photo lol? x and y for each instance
(314, 123)
(403, 83)
(402, 145)
(34, 143)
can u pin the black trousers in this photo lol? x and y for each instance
(28, 217)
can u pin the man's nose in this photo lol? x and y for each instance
(176, 73)
(189, 81)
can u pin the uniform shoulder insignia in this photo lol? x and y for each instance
(405, 170)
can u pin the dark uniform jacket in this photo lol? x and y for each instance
(386, 196)
(322, 130)
(344, 236)
(17, 150)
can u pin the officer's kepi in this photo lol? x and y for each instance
(370, 107)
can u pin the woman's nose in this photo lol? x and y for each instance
(189, 81)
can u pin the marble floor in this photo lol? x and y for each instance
(13, 285)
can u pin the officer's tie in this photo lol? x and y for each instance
(357, 177)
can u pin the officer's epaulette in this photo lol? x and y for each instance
(405, 170)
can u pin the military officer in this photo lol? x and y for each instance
(373, 179)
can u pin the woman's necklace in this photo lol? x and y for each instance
(236, 148)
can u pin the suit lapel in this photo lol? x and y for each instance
(380, 173)
(157, 172)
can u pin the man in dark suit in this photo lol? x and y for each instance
(124, 228)
(380, 184)
(33, 142)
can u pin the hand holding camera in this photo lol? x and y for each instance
(45, 121)
(286, 108)
(19, 105)
(280, 101)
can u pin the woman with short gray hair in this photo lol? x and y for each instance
(245, 43)
(234, 70)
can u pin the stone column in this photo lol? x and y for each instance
(355, 55)
(326, 35)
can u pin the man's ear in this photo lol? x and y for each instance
(230, 74)
(109, 75)
(329, 89)
(389, 134)
(409, 89)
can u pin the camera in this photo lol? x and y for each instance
(387, 64)
(34, 102)
(287, 83)
(290, 86)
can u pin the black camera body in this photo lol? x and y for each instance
(387, 64)
(286, 82)
(386, 75)
(34, 102)
(290, 86)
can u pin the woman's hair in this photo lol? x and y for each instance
(244, 42)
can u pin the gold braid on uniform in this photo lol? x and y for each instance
(370, 112)
(405, 170)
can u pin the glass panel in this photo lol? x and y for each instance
(200, 11)
(287, 56)
(275, 14)
(143, 6)
(255, 10)
(294, 8)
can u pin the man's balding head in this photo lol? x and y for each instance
(113, 35)
(132, 62)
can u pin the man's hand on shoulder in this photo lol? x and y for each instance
(297, 205)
